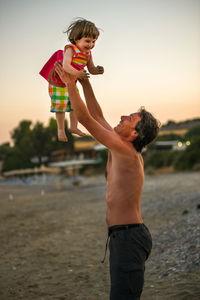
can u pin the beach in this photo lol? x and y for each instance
(53, 238)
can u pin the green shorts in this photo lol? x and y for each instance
(59, 99)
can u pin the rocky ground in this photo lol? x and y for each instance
(53, 238)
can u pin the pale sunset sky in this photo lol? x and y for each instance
(150, 50)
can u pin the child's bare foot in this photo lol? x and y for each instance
(62, 136)
(77, 131)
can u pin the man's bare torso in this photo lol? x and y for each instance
(125, 178)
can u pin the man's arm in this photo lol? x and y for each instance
(107, 137)
(93, 105)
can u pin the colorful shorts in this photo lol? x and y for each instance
(59, 99)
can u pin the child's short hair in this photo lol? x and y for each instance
(81, 28)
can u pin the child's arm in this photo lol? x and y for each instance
(69, 69)
(94, 70)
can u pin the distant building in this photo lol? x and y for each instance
(82, 150)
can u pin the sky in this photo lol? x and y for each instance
(150, 50)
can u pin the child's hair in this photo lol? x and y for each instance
(81, 28)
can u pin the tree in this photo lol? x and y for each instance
(23, 139)
(39, 141)
(4, 150)
(189, 158)
(14, 160)
(33, 141)
(53, 143)
(193, 132)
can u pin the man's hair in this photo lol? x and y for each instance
(81, 28)
(147, 129)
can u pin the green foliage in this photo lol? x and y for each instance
(19, 133)
(11, 157)
(36, 140)
(170, 122)
(23, 139)
(190, 157)
(53, 143)
(39, 141)
(32, 141)
(193, 132)
(159, 159)
(187, 124)
(181, 160)
(4, 150)
(15, 160)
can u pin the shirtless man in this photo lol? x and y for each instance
(130, 240)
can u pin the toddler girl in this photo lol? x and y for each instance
(82, 34)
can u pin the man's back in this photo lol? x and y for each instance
(125, 178)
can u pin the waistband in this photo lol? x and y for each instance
(118, 228)
(123, 227)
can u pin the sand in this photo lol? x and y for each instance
(52, 242)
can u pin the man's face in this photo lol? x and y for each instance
(85, 44)
(127, 124)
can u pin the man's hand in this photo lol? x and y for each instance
(100, 70)
(65, 77)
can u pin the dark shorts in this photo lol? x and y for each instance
(130, 246)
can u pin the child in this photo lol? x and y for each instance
(82, 34)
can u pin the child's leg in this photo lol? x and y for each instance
(60, 118)
(73, 124)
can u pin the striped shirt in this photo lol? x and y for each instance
(79, 59)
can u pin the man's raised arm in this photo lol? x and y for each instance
(93, 105)
(106, 136)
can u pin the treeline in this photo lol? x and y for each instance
(187, 124)
(180, 160)
(32, 141)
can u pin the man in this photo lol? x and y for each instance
(130, 241)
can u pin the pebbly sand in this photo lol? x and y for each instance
(52, 241)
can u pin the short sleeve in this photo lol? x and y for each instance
(72, 46)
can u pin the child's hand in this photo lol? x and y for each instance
(83, 74)
(100, 69)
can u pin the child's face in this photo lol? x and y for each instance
(85, 44)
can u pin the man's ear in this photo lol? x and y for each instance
(134, 134)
